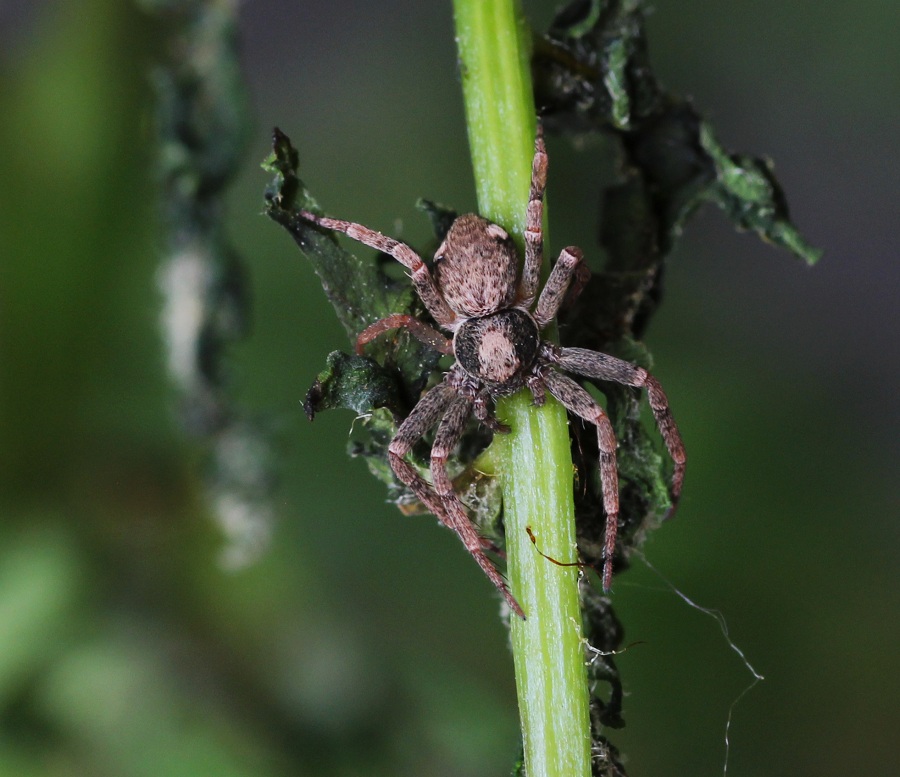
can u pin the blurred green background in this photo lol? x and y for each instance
(364, 642)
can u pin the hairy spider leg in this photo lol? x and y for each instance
(485, 414)
(558, 284)
(534, 217)
(601, 366)
(419, 329)
(443, 401)
(421, 277)
(448, 434)
(576, 399)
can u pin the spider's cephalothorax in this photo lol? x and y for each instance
(498, 349)
(475, 292)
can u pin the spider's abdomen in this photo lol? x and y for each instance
(475, 267)
(498, 349)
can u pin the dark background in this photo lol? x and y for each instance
(364, 642)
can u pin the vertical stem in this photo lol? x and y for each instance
(534, 459)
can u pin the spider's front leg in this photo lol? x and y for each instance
(443, 401)
(484, 412)
(421, 277)
(564, 284)
(565, 270)
(534, 217)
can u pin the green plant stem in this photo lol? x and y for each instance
(534, 460)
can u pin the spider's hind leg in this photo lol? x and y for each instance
(575, 399)
(444, 402)
(565, 282)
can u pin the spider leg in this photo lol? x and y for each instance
(484, 413)
(421, 277)
(440, 499)
(445, 440)
(568, 268)
(577, 400)
(600, 366)
(534, 217)
(418, 329)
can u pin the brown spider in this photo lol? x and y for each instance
(474, 292)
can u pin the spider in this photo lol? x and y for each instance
(474, 292)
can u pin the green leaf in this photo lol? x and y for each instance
(358, 289)
(352, 382)
(615, 82)
(749, 193)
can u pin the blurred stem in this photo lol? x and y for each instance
(534, 460)
(202, 121)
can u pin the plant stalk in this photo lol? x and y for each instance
(534, 460)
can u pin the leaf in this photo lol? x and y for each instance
(382, 386)
(358, 289)
(749, 193)
(352, 382)
(592, 73)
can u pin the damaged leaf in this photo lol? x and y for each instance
(382, 386)
(354, 383)
(592, 75)
(592, 72)
(753, 199)
(359, 289)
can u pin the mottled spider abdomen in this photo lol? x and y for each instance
(476, 267)
(498, 349)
